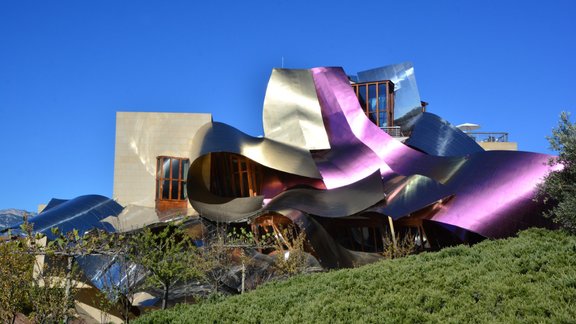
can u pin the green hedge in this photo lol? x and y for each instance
(531, 278)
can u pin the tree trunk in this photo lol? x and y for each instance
(165, 297)
(68, 287)
(243, 276)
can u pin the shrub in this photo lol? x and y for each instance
(531, 278)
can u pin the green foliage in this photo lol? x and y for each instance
(531, 278)
(560, 185)
(290, 256)
(15, 273)
(169, 255)
(50, 301)
(37, 278)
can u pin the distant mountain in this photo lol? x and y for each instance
(11, 216)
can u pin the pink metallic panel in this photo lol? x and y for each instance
(493, 190)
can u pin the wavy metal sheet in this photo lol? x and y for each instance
(332, 203)
(411, 194)
(82, 213)
(214, 207)
(494, 193)
(348, 126)
(291, 111)
(491, 192)
(435, 136)
(219, 137)
(330, 254)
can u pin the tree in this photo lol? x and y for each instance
(227, 252)
(559, 186)
(119, 283)
(169, 255)
(15, 275)
(291, 259)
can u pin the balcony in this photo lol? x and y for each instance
(479, 137)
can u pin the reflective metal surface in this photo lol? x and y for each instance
(331, 203)
(359, 140)
(410, 194)
(291, 111)
(435, 136)
(82, 213)
(407, 100)
(219, 137)
(488, 193)
(329, 253)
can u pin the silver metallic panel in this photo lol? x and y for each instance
(435, 136)
(219, 137)
(291, 110)
(337, 202)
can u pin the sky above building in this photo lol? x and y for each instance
(66, 68)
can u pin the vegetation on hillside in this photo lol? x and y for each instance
(531, 278)
(559, 186)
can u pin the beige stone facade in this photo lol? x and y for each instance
(140, 138)
(499, 146)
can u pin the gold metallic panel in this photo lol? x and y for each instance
(291, 110)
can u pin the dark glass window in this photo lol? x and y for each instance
(171, 176)
(233, 175)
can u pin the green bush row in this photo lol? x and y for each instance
(530, 278)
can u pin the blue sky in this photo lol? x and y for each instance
(66, 67)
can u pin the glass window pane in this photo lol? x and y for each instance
(245, 188)
(175, 168)
(382, 96)
(382, 119)
(174, 190)
(183, 192)
(185, 167)
(372, 97)
(157, 189)
(362, 96)
(159, 167)
(166, 168)
(165, 189)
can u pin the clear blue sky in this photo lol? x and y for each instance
(66, 67)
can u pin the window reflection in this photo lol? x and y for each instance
(377, 101)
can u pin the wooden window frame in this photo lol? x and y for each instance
(160, 179)
(234, 175)
(389, 100)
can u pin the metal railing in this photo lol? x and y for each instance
(488, 136)
(393, 131)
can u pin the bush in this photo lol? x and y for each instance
(529, 278)
(559, 186)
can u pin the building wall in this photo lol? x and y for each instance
(499, 146)
(140, 138)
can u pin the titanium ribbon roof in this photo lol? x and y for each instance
(82, 213)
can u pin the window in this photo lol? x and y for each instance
(377, 101)
(171, 175)
(233, 175)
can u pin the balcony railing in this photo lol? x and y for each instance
(393, 131)
(489, 136)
